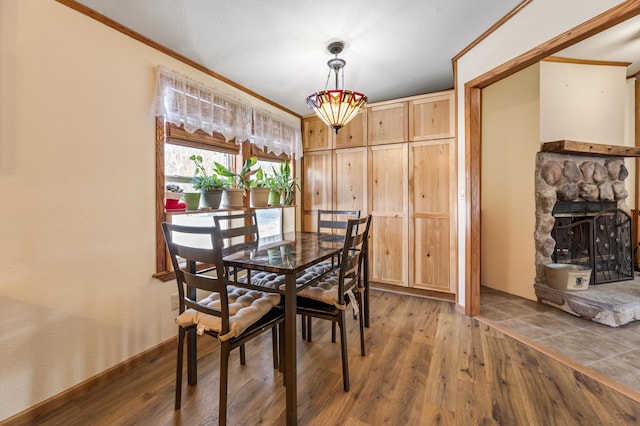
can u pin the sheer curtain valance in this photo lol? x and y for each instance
(183, 101)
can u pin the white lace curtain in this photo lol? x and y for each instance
(183, 101)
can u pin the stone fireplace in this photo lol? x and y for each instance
(582, 218)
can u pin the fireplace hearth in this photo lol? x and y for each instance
(582, 218)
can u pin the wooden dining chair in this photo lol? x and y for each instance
(230, 314)
(237, 229)
(330, 297)
(334, 222)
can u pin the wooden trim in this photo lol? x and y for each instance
(586, 148)
(175, 55)
(31, 414)
(593, 26)
(200, 139)
(412, 291)
(604, 21)
(491, 30)
(161, 252)
(585, 61)
(473, 150)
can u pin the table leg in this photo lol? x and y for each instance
(290, 361)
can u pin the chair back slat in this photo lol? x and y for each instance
(187, 256)
(229, 228)
(329, 220)
(357, 232)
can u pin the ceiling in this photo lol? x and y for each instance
(278, 48)
(620, 43)
(393, 49)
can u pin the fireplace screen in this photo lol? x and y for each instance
(596, 235)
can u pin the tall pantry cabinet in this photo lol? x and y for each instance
(395, 161)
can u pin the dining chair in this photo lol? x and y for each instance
(335, 222)
(236, 229)
(230, 314)
(330, 297)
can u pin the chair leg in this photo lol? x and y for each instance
(308, 328)
(225, 348)
(343, 348)
(303, 318)
(274, 346)
(281, 346)
(243, 355)
(333, 332)
(361, 320)
(178, 401)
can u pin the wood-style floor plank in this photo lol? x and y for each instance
(426, 364)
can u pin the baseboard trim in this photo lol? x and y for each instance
(429, 294)
(31, 414)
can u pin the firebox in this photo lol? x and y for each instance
(595, 234)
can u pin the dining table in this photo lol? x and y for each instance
(288, 254)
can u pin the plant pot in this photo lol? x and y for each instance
(212, 198)
(259, 197)
(192, 199)
(274, 198)
(168, 195)
(232, 198)
(286, 198)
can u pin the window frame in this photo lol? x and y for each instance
(170, 133)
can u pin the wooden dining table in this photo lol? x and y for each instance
(288, 254)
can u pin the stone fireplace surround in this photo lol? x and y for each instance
(575, 171)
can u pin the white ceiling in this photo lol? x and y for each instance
(394, 48)
(277, 48)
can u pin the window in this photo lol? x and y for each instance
(174, 146)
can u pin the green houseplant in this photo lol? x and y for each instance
(210, 185)
(284, 183)
(237, 183)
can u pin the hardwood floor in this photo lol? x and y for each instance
(612, 352)
(426, 364)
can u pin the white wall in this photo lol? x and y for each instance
(77, 178)
(537, 23)
(510, 140)
(582, 102)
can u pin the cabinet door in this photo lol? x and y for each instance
(354, 133)
(388, 123)
(351, 179)
(388, 203)
(316, 135)
(317, 187)
(431, 201)
(432, 117)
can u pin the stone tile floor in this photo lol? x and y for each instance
(613, 352)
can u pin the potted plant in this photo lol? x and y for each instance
(259, 192)
(210, 185)
(172, 197)
(237, 183)
(285, 183)
(274, 191)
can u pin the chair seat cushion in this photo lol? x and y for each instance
(324, 290)
(277, 282)
(245, 308)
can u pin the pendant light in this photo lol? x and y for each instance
(336, 107)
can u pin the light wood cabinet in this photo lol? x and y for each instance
(388, 123)
(316, 135)
(396, 161)
(350, 171)
(431, 225)
(388, 199)
(317, 187)
(432, 117)
(354, 133)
